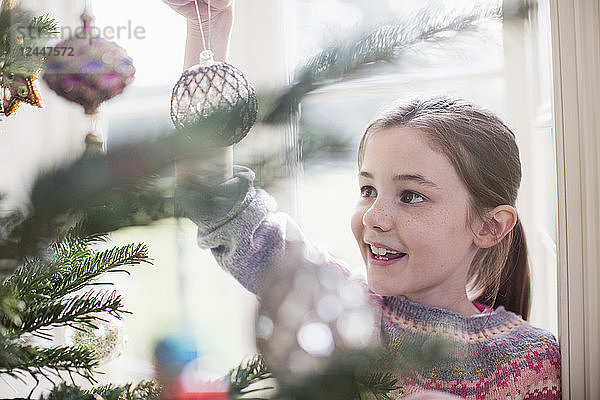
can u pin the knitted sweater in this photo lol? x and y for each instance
(495, 355)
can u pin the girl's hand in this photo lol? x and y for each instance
(187, 8)
(221, 21)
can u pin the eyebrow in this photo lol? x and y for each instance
(418, 178)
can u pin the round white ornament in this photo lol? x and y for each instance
(212, 86)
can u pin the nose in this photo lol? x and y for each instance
(378, 216)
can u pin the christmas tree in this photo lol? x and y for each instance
(54, 289)
(53, 260)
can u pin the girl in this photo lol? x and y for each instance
(442, 243)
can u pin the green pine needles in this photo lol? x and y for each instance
(362, 379)
(53, 290)
(243, 379)
(20, 30)
(145, 390)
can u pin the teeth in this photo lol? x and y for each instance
(381, 251)
(378, 251)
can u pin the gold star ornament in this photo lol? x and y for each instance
(17, 89)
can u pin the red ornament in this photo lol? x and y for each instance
(91, 71)
(203, 396)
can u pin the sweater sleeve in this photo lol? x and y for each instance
(240, 225)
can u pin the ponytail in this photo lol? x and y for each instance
(514, 292)
(510, 286)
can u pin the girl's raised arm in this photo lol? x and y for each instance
(235, 220)
(239, 223)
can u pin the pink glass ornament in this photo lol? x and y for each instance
(91, 71)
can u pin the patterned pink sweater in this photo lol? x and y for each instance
(494, 355)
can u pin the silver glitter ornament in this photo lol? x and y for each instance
(106, 340)
(310, 312)
(215, 86)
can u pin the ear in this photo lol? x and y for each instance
(498, 223)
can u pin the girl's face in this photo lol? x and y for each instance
(411, 222)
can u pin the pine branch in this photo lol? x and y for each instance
(379, 383)
(11, 308)
(145, 390)
(72, 267)
(76, 239)
(70, 311)
(105, 177)
(16, 360)
(320, 142)
(40, 287)
(30, 280)
(67, 392)
(19, 30)
(79, 272)
(351, 375)
(246, 375)
(384, 44)
(144, 205)
(44, 25)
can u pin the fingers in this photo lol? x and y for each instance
(220, 4)
(177, 2)
(215, 4)
(187, 8)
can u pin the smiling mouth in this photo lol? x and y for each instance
(383, 254)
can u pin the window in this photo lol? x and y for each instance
(505, 67)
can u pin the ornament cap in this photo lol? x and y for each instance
(93, 144)
(87, 19)
(9, 4)
(207, 58)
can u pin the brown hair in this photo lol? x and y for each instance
(485, 155)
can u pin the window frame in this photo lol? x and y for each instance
(575, 26)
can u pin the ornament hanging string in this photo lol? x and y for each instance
(204, 42)
(87, 20)
(179, 235)
(94, 140)
(87, 6)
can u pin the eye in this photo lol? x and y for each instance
(411, 197)
(367, 191)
